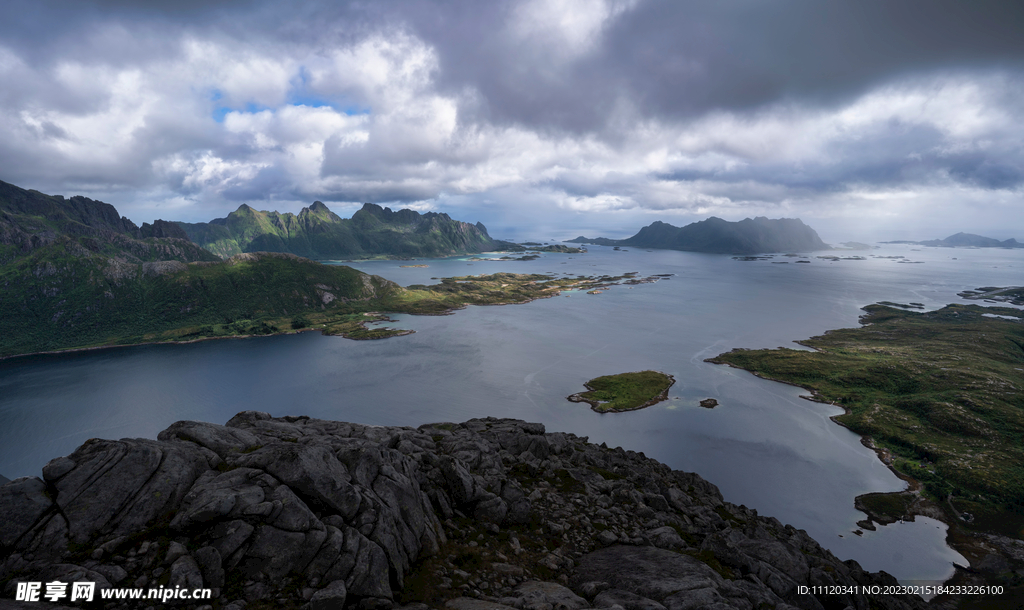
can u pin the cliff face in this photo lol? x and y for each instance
(316, 232)
(484, 515)
(49, 226)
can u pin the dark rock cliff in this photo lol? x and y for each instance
(490, 514)
(31, 222)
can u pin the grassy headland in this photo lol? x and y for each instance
(76, 302)
(993, 294)
(625, 391)
(938, 394)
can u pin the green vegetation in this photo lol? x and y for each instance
(1013, 295)
(54, 300)
(884, 508)
(625, 391)
(558, 248)
(493, 289)
(939, 394)
(317, 232)
(75, 274)
(748, 236)
(64, 302)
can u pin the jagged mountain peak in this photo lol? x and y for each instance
(318, 233)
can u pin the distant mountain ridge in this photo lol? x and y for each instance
(76, 273)
(961, 240)
(33, 224)
(717, 236)
(318, 233)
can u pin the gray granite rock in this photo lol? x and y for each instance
(625, 599)
(489, 514)
(23, 502)
(185, 573)
(535, 592)
(222, 440)
(646, 571)
(331, 597)
(311, 471)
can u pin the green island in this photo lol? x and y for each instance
(937, 394)
(992, 294)
(625, 391)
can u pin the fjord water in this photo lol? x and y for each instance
(763, 446)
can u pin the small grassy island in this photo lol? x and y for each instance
(1014, 295)
(938, 394)
(625, 391)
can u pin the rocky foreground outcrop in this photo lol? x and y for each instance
(489, 514)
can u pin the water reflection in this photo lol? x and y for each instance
(763, 446)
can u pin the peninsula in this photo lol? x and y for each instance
(250, 294)
(77, 275)
(717, 236)
(963, 240)
(625, 391)
(938, 395)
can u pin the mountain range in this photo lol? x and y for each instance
(38, 226)
(714, 235)
(318, 233)
(75, 273)
(964, 240)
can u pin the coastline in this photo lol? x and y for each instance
(90, 348)
(555, 291)
(594, 404)
(967, 544)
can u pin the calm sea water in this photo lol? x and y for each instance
(763, 446)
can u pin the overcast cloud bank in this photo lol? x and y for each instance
(895, 119)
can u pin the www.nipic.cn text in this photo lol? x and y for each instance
(86, 591)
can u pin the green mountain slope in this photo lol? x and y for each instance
(74, 273)
(316, 232)
(714, 235)
(45, 226)
(87, 300)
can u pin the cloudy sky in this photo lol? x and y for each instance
(867, 119)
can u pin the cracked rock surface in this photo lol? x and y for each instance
(489, 514)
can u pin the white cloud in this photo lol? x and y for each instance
(563, 30)
(213, 120)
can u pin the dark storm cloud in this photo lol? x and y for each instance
(986, 172)
(668, 57)
(579, 105)
(898, 155)
(679, 58)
